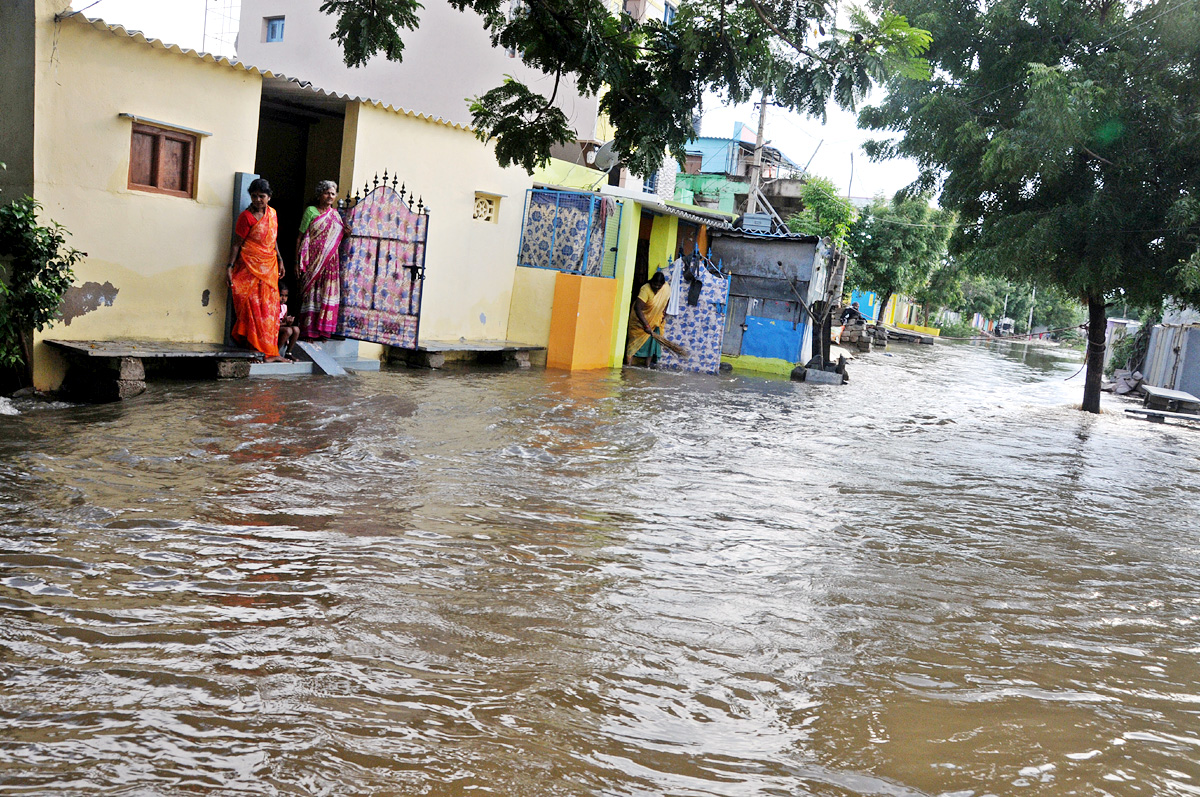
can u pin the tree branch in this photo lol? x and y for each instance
(762, 15)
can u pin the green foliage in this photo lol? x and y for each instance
(825, 213)
(39, 271)
(1066, 134)
(650, 75)
(523, 123)
(366, 28)
(898, 247)
(959, 329)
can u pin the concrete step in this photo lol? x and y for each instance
(345, 353)
(281, 369)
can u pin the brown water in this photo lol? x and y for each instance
(938, 580)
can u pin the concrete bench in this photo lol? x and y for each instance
(99, 371)
(436, 353)
(1161, 398)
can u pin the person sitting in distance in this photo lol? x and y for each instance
(851, 315)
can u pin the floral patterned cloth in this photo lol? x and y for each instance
(381, 264)
(700, 328)
(565, 231)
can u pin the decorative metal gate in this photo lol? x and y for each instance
(383, 266)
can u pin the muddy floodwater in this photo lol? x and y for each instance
(941, 579)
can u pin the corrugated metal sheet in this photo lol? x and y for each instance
(1173, 357)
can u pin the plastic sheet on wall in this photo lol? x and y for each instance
(569, 231)
(769, 337)
(698, 327)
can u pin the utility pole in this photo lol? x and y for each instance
(756, 170)
(1032, 301)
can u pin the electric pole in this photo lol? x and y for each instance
(756, 169)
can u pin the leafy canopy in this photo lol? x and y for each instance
(1065, 133)
(825, 213)
(898, 245)
(651, 75)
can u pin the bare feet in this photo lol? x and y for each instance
(276, 359)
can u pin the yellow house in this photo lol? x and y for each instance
(135, 146)
(582, 320)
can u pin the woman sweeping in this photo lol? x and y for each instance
(321, 231)
(645, 321)
(255, 267)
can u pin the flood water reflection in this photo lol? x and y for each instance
(941, 579)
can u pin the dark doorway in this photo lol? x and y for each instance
(641, 260)
(688, 237)
(297, 147)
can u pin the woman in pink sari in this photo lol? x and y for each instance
(321, 231)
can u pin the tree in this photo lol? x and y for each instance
(825, 214)
(1064, 133)
(39, 271)
(651, 74)
(897, 246)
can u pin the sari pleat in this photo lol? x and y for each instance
(256, 284)
(321, 287)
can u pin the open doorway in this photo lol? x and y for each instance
(299, 144)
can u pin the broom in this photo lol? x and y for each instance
(671, 346)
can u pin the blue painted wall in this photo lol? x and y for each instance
(866, 303)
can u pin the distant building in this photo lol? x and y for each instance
(447, 60)
(717, 174)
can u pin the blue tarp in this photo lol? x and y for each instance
(769, 337)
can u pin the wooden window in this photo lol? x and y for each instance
(162, 161)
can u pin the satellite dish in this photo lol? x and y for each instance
(606, 158)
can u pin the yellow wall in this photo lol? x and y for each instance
(579, 326)
(663, 238)
(160, 253)
(532, 302)
(470, 265)
(568, 175)
(631, 221)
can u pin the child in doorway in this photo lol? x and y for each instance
(289, 332)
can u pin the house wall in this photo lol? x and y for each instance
(16, 98)
(580, 327)
(532, 306)
(470, 264)
(662, 241)
(448, 59)
(155, 264)
(631, 221)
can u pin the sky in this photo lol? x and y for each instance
(840, 156)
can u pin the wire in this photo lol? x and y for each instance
(80, 11)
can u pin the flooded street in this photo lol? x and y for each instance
(941, 579)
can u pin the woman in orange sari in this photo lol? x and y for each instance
(255, 268)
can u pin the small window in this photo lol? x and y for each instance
(273, 29)
(162, 161)
(669, 14)
(487, 208)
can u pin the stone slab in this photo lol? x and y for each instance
(321, 361)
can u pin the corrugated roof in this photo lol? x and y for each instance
(280, 85)
(769, 236)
